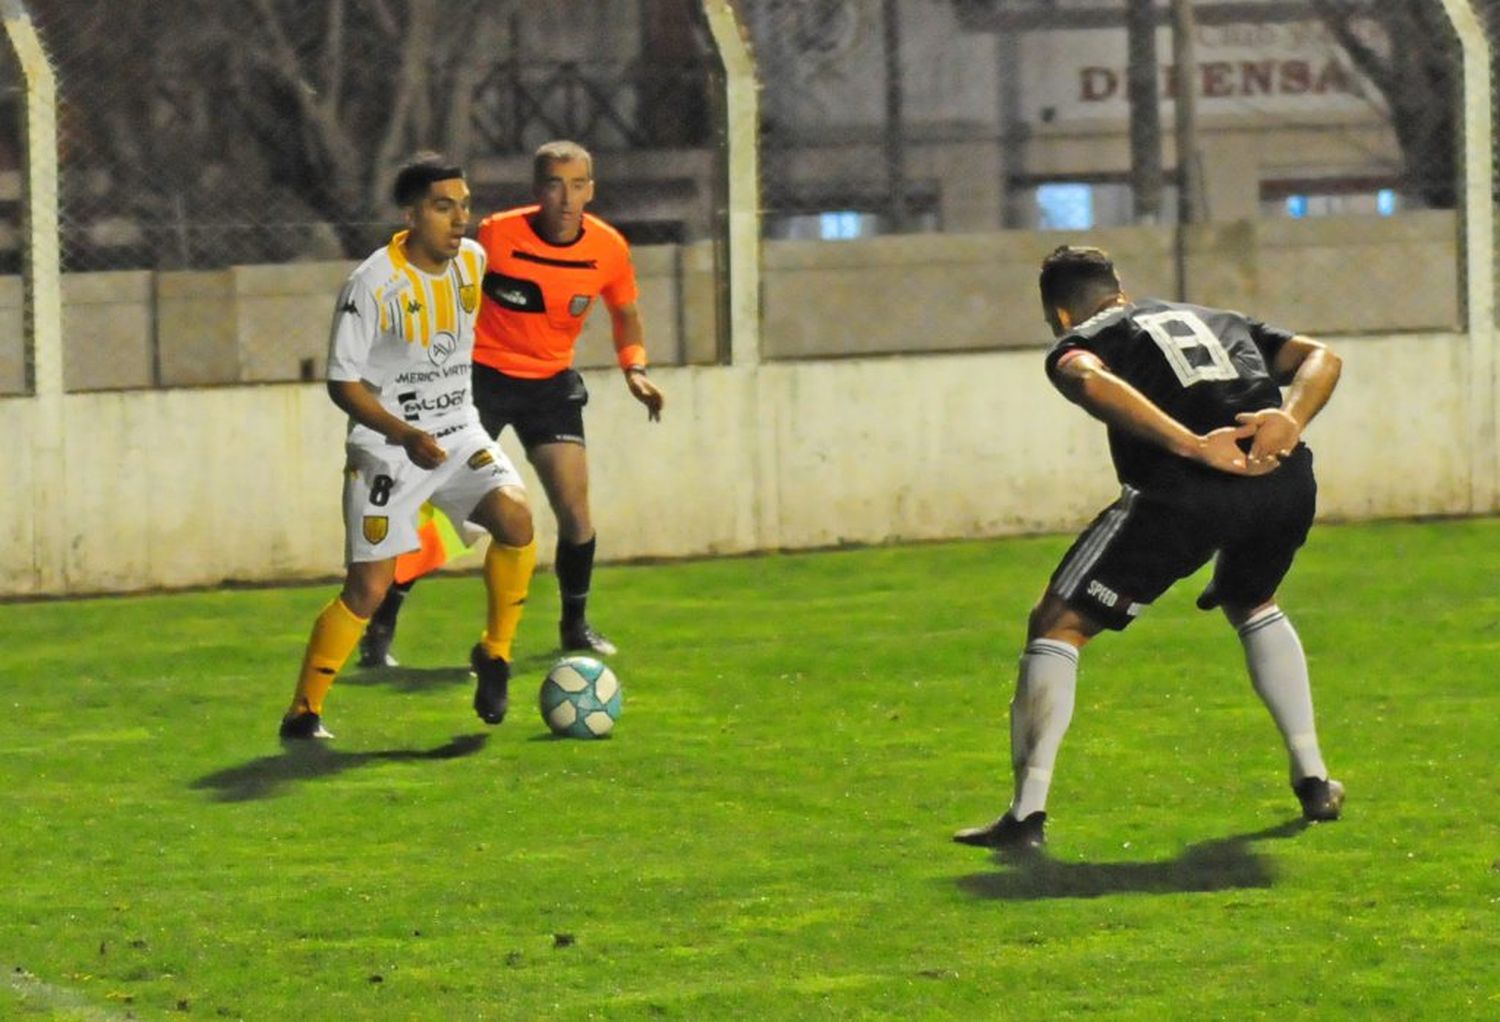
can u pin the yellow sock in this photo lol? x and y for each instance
(333, 637)
(507, 577)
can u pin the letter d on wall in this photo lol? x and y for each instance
(1096, 84)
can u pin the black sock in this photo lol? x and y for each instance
(385, 614)
(574, 565)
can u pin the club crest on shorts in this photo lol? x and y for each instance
(479, 459)
(579, 304)
(376, 527)
(468, 296)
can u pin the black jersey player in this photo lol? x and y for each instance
(1208, 452)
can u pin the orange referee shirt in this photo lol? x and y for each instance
(537, 295)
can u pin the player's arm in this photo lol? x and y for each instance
(1309, 370)
(630, 350)
(357, 401)
(355, 320)
(1085, 380)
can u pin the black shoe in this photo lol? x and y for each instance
(580, 636)
(304, 726)
(1008, 833)
(1322, 800)
(375, 646)
(492, 685)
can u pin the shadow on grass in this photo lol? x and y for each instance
(303, 761)
(1219, 865)
(406, 679)
(424, 679)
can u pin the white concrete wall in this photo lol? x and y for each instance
(197, 486)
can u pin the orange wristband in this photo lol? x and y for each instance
(631, 355)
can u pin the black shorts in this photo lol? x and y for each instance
(1141, 544)
(546, 411)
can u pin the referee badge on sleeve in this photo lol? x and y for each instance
(579, 304)
(376, 527)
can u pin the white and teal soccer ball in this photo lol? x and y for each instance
(581, 698)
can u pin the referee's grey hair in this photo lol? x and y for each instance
(558, 151)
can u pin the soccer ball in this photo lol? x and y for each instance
(580, 698)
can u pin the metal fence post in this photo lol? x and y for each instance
(743, 111)
(42, 284)
(1479, 253)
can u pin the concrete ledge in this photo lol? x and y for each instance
(193, 487)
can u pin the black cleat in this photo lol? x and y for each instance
(375, 646)
(305, 726)
(492, 685)
(580, 636)
(1008, 833)
(1322, 800)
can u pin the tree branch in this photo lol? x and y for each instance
(333, 54)
(1371, 64)
(380, 13)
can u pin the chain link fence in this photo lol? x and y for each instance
(1318, 185)
(223, 164)
(13, 375)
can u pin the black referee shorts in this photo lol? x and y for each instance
(1142, 543)
(545, 411)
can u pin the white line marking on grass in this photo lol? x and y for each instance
(56, 998)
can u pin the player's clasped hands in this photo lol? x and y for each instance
(1273, 435)
(1220, 449)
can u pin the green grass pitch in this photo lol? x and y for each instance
(766, 836)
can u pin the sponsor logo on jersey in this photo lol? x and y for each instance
(409, 412)
(414, 405)
(479, 459)
(468, 297)
(443, 345)
(515, 293)
(579, 304)
(376, 527)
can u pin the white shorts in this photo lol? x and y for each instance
(384, 490)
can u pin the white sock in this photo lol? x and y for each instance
(1278, 669)
(1039, 717)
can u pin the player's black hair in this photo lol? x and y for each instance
(557, 151)
(419, 173)
(1078, 278)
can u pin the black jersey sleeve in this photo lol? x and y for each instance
(1097, 337)
(1069, 343)
(1269, 339)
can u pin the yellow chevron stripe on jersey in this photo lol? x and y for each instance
(409, 305)
(442, 304)
(468, 290)
(414, 307)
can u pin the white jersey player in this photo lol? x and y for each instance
(399, 364)
(408, 337)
